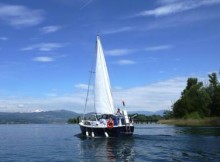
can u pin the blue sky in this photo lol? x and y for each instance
(151, 47)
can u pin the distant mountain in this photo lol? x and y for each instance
(159, 112)
(44, 117)
(48, 117)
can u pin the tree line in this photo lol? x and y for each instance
(73, 120)
(137, 118)
(198, 100)
(140, 118)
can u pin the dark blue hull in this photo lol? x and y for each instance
(120, 131)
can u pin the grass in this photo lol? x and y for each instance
(211, 121)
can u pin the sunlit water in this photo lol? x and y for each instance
(149, 143)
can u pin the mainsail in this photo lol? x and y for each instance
(103, 97)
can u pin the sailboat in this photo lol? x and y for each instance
(106, 122)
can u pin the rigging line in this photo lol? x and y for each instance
(87, 94)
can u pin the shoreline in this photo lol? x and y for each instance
(211, 121)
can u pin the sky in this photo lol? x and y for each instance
(151, 47)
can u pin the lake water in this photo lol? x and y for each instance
(27, 143)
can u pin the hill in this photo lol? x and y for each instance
(148, 113)
(45, 117)
(49, 117)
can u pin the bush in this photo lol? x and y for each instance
(193, 115)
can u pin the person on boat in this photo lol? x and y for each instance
(110, 123)
(118, 112)
(102, 121)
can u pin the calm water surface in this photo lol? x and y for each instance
(149, 143)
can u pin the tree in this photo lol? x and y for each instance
(194, 100)
(190, 83)
(179, 108)
(213, 80)
(167, 114)
(214, 91)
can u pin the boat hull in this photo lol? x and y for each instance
(119, 131)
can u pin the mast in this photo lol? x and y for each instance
(87, 94)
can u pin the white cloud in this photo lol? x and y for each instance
(119, 52)
(43, 47)
(20, 105)
(119, 30)
(166, 1)
(38, 110)
(158, 48)
(152, 97)
(161, 71)
(20, 16)
(82, 86)
(180, 20)
(74, 102)
(43, 59)
(3, 38)
(50, 29)
(176, 7)
(85, 3)
(125, 62)
(50, 94)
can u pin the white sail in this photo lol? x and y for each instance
(103, 97)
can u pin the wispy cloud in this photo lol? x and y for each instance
(50, 29)
(43, 47)
(43, 59)
(159, 48)
(119, 52)
(150, 97)
(118, 30)
(81, 86)
(85, 3)
(163, 2)
(176, 7)
(20, 16)
(74, 102)
(122, 52)
(125, 62)
(50, 94)
(181, 20)
(177, 59)
(3, 38)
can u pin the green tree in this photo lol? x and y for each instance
(72, 121)
(213, 80)
(180, 108)
(194, 100)
(214, 91)
(167, 114)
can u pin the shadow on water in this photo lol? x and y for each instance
(106, 149)
(208, 131)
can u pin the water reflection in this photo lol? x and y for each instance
(107, 149)
(155, 143)
(213, 131)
